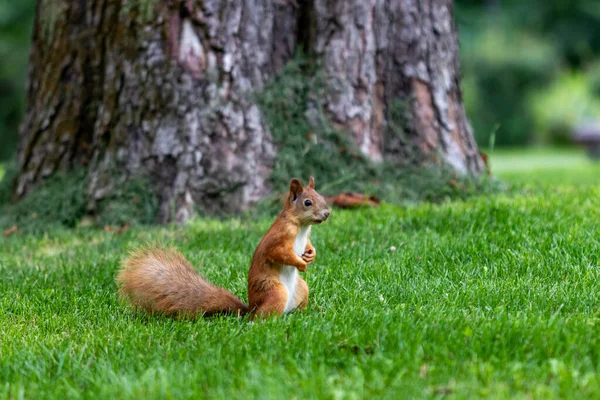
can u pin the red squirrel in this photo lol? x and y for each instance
(163, 281)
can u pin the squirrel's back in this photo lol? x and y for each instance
(163, 281)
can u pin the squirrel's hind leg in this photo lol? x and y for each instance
(301, 298)
(273, 303)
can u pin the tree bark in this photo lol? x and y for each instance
(394, 74)
(166, 95)
(168, 92)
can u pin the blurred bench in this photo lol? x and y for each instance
(588, 135)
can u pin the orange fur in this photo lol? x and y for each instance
(163, 281)
(302, 294)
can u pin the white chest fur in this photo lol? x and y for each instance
(288, 274)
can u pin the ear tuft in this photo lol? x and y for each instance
(295, 188)
(311, 183)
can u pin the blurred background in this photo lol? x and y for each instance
(531, 69)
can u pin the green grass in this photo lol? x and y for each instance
(545, 167)
(496, 296)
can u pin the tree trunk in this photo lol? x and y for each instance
(167, 95)
(164, 87)
(394, 75)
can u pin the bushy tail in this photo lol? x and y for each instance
(163, 281)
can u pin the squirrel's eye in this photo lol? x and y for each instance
(307, 203)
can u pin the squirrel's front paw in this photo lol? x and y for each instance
(302, 267)
(309, 256)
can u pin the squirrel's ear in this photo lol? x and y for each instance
(311, 183)
(295, 188)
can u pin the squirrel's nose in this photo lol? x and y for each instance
(326, 214)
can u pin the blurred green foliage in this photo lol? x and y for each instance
(16, 20)
(526, 65)
(570, 99)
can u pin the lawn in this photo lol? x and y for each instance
(495, 297)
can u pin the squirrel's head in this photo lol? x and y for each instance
(305, 204)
